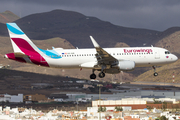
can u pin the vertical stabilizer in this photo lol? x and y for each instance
(19, 40)
(24, 49)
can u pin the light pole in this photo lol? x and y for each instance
(99, 85)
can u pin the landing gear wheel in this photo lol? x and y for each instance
(155, 74)
(93, 76)
(101, 74)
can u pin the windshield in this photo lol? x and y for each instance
(167, 52)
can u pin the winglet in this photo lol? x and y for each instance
(96, 45)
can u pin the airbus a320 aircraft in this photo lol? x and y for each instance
(105, 60)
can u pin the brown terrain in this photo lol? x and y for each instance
(18, 77)
(5, 47)
(170, 42)
(8, 16)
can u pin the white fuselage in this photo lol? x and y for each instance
(142, 56)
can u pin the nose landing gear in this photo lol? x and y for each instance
(155, 73)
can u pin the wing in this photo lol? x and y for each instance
(103, 57)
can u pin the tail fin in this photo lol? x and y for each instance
(20, 42)
(24, 49)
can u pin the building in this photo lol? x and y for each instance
(134, 103)
(11, 98)
(17, 98)
(35, 98)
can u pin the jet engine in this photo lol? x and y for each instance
(126, 65)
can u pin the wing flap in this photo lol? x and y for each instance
(103, 57)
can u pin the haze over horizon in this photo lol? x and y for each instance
(155, 15)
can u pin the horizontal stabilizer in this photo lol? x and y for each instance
(20, 55)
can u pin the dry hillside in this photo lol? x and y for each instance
(8, 16)
(165, 74)
(121, 44)
(172, 43)
(5, 47)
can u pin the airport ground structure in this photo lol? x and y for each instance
(83, 97)
(109, 112)
(141, 102)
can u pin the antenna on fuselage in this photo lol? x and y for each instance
(151, 45)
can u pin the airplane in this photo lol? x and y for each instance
(105, 60)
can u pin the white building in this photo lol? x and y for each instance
(17, 98)
(130, 101)
(11, 98)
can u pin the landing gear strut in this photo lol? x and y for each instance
(93, 76)
(102, 74)
(155, 73)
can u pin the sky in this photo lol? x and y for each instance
(148, 14)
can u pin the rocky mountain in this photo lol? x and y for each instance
(172, 43)
(8, 16)
(76, 28)
(165, 74)
(6, 47)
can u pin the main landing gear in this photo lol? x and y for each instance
(93, 76)
(101, 75)
(155, 73)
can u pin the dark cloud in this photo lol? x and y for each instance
(149, 14)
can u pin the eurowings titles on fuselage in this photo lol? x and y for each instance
(105, 60)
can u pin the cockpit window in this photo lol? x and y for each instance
(167, 52)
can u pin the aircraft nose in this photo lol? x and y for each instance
(175, 58)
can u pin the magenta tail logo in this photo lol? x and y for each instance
(26, 48)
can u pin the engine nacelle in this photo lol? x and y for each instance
(126, 65)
